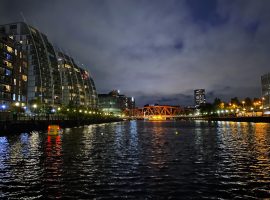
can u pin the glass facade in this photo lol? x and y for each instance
(53, 78)
(115, 103)
(13, 73)
(78, 88)
(199, 97)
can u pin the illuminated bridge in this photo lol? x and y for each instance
(157, 112)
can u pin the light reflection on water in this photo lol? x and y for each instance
(139, 160)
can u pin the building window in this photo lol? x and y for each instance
(8, 64)
(14, 97)
(24, 77)
(8, 56)
(2, 71)
(5, 88)
(8, 72)
(9, 49)
(14, 81)
(24, 64)
(14, 26)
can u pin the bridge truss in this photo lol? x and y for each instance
(163, 111)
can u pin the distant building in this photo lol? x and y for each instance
(13, 73)
(115, 103)
(199, 97)
(265, 82)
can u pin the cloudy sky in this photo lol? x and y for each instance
(159, 51)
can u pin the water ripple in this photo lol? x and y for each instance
(139, 160)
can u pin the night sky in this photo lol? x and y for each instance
(159, 51)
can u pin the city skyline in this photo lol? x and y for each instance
(159, 52)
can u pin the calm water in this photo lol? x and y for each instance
(139, 160)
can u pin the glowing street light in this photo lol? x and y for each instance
(262, 101)
(3, 106)
(243, 102)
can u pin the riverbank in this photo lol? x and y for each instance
(20, 126)
(255, 119)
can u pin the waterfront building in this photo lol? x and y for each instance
(54, 78)
(44, 84)
(78, 87)
(116, 103)
(199, 97)
(13, 73)
(265, 83)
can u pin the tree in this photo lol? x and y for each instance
(217, 103)
(248, 102)
(235, 101)
(206, 108)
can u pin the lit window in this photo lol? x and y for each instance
(7, 88)
(8, 72)
(24, 77)
(16, 52)
(9, 49)
(8, 56)
(14, 81)
(14, 97)
(8, 64)
(33, 31)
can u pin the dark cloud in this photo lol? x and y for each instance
(156, 50)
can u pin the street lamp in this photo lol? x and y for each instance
(262, 101)
(3, 107)
(243, 102)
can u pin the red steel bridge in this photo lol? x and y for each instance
(156, 112)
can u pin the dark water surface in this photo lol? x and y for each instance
(139, 160)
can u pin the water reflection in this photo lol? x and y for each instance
(4, 152)
(139, 160)
(53, 166)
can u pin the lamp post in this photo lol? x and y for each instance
(262, 104)
(35, 107)
(243, 102)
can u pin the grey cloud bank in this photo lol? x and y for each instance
(159, 51)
